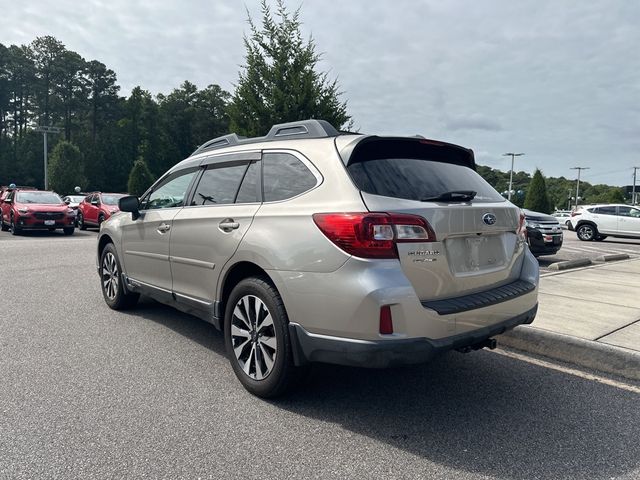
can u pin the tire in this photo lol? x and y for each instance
(3, 226)
(68, 230)
(14, 229)
(80, 221)
(259, 349)
(587, 232)
(100, 219)
(111, 281)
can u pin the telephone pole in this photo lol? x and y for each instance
(511, 174)
(578, 184)
(633, 192)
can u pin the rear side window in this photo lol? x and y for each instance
(416, 170)
(604, 210)
(285, 176)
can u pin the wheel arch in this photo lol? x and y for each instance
(104, 240)
(586, 222)
(235, 275)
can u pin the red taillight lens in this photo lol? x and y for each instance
(386, 322)
(373, 235)
(522, 227)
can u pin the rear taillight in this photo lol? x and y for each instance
(522, 227)
(373, 235)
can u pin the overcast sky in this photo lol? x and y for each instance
(557, 80)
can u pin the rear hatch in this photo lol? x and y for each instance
(476, 243)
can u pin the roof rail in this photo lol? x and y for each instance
(303, 129)
(219, 142)
(299, 129)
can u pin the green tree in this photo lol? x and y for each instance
(537, 198)
(280, 82)
(66, 168)
(140, 178)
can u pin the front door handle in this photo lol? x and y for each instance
(163, 228)
(228, 224)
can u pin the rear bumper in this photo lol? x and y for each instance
(310, 347)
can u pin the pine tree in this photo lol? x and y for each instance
(66, 168)
(280, 82)
(140, 178)
(537, 198)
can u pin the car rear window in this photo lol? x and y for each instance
(420, 172)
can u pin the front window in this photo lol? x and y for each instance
(629, 212)
(170, 193)
(47, 198)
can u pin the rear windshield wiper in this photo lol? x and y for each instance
(453, 196)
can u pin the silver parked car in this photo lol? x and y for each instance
(310, 245)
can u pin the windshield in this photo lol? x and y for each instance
(49, 198)
(111, 199)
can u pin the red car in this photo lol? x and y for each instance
(35, 210)
(96, 208)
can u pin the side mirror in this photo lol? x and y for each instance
(67, 201)
(130, 204)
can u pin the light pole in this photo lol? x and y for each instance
(512, 155)
(633, 191)
(45, 130)
(578, 184)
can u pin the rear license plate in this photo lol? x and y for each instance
(49, 222)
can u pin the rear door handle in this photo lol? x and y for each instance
(228, 224)
(163, 228)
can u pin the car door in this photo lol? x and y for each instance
(145, 240)
(93, 207)
(207, 232)
(629, 221)
(605, 218)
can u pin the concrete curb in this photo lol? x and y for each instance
(586, 353)
(612, 257)
(586, 262)
(578, 262)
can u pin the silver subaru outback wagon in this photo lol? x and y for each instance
(310, 245)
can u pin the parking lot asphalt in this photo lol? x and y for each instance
(86, 392)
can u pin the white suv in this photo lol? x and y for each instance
(597, 222)
(309, 245)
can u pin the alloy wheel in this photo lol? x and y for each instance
(110, 278)
(586, 232)
(253, 337)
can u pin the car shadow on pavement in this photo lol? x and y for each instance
(482, 412)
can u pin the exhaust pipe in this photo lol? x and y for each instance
(490, 343)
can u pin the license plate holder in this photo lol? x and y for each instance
(49, 222)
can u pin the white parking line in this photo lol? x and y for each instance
(571, 371)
